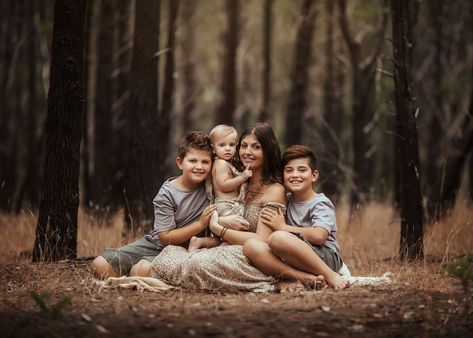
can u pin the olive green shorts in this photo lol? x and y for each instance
(330, 258)
(122, 259)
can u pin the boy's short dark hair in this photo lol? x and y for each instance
(299, 151)
(196, 140)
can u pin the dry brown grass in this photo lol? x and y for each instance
(367, 238)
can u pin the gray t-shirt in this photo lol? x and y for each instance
(174, 208)
(316, 212)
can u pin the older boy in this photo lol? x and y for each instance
(307, 243)
(181, 211)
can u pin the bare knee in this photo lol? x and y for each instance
(102, 269)
(254, 248)
(142, 269)
(278, 241)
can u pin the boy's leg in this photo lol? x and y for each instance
(261, 256)
(141, 269)
(102, 269)
(118, 262)
(300, 255)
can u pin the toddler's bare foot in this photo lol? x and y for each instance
(194, 244)
(338, 282)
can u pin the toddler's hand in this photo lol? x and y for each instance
(247, 173)
(206, 214)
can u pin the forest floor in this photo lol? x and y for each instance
(420, 301)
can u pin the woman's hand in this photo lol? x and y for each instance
(273, 218)
(234, 222)
(206, 214)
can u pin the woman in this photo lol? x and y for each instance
(225, 267)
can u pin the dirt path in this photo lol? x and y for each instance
(420, 302)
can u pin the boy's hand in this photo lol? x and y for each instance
(272, 218)
(206, 214)
(247, 173)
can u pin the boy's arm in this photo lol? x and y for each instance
(182, 235)
(275, 220)
(224, 180)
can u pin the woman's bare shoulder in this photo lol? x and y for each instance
(275, 193)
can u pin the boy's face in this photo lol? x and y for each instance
(195, 165)
(298, 176)
(225, 147)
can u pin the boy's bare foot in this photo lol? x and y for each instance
(315, 283)
(338, 282)
(194, 244)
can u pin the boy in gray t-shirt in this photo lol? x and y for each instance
(181, 211)
(303, 244)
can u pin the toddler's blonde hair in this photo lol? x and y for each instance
(220, 131)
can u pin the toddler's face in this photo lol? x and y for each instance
(225, 147)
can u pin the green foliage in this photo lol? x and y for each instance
(43, 302)
(462, 269)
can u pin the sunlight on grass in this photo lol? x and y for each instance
(367, 238)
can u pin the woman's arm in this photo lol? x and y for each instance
(274, 193)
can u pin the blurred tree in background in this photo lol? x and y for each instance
(320, 72)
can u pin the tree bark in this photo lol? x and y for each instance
(32, 177)
(56, 231)
(224, 113)
(330, 150)
(188, 69)
(103, 169)
(300, 73)
(264, 115)
(411, 245)
(364, 71)
(143, 125)
(164, 136)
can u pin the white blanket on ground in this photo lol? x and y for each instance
(157, 285)
(135, 283)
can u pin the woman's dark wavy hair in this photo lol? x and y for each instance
(272, 166)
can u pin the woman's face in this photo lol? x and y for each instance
(251, 152)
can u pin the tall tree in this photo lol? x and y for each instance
(267, 43)
(411, 246)
(329, 152)
(363, 85)
(7, 47)
(143, 151)
(168, 90)
(103, 171)
(226, 108)
(32, 177)
(188, 69)
(56, 231)
(297, 103)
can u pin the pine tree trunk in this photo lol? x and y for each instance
(364, 71)
(264, 115)
(329, 151)
(224, 113)
(164, 136)
(7, 169)
(411, 245)
(188, 69)
(300, 74)
(56, 231)
(32, 186)
(143, 125)
(102, 176)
